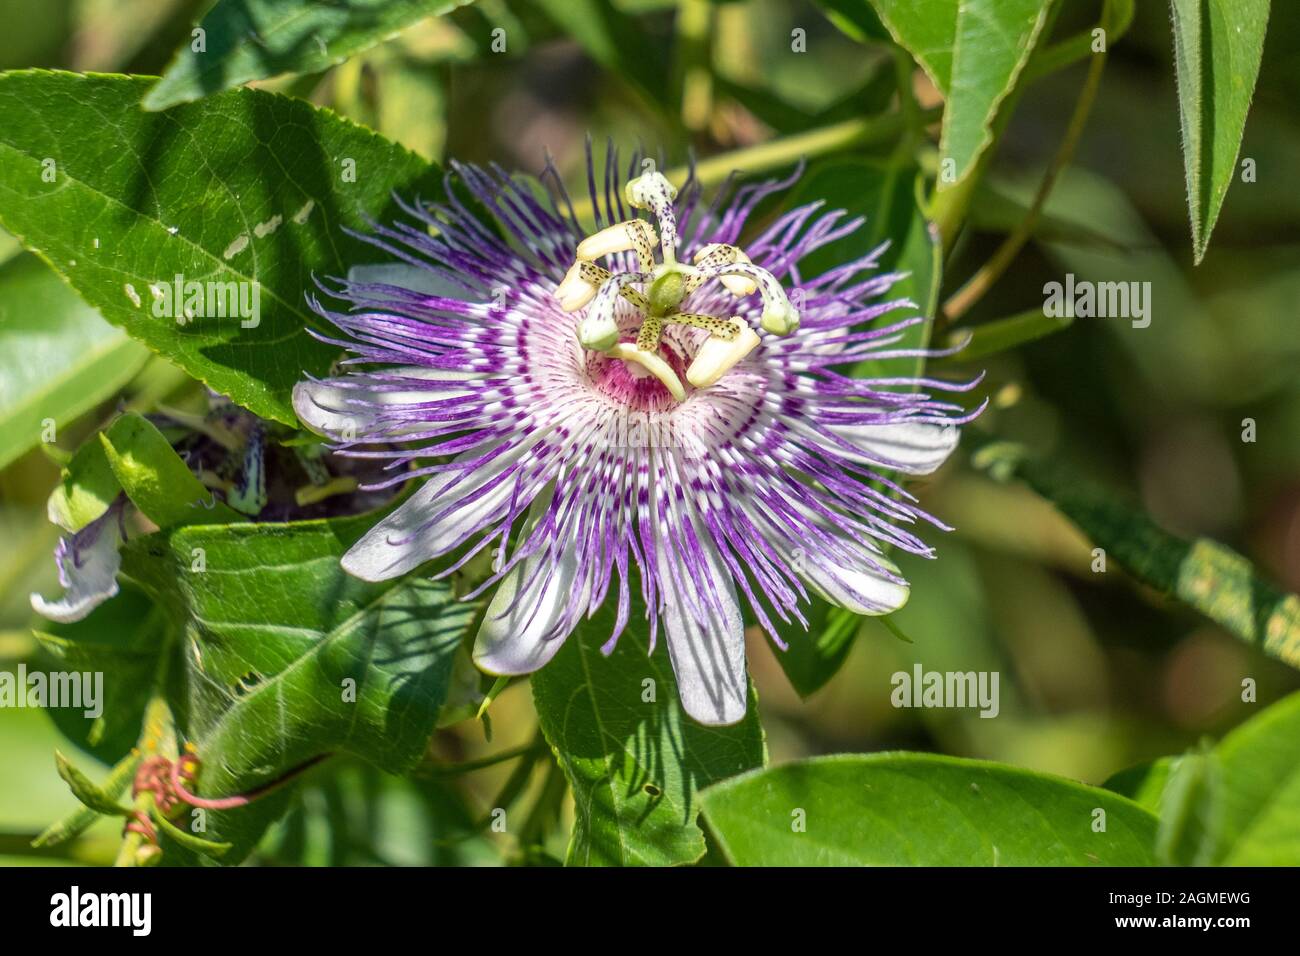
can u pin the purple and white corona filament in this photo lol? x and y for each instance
(674, 436)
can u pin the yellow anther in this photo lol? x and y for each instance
(717, 254)
(576, 291)
(652, 363)
(621, 237)
(597, 332)
(717, 355)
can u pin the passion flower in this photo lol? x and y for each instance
(644, 405)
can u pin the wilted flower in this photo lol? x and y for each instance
(88, 560)
(628, 422)
(281, 476)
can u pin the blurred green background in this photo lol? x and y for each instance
(1097, 673)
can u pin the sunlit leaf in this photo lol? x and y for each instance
(974, 51)
(245, 40)
(287, 666)
(58, 358)
(245, 187)
(635, 761)
(922, 810)
(155, 478)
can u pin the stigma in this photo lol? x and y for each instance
(658, 288)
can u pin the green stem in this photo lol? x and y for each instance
(546, 809)
(1116, 20)
(992, 270)
(909, 108)
(492, 760)
(766, 157)
(517, 782)
(1002, 335)
(948, 207)
(157, 738)
(338, 485)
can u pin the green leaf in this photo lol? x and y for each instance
(1217, 48)
(974, 51)
(1144, 783)
(254, 39)
(1173, 341)
(886, 194)
(921, 810)
(1000, 207)
(855, 19)
(120, 639)
(155, 478)
(242, 187)
(58, 358)
(614, 40)
(1259, 820)
(814, 656)
(1203, 574)
(81, 819)
(1002, 335)
(189, 840)
(635, 766)
(288, 657)
(85, 790)
(87, 486)
(1235, 805)
(1188, 830)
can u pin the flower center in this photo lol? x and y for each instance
(631, 384)
(663, 287)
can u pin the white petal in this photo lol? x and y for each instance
(708, 660)
(88, 565)
(914, 448)
(858, 585)
(399, 542)
(859, 588)
(510, 640)
(329, 408)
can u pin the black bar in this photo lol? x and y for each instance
(690, 905)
